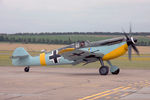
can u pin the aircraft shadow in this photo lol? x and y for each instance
(72, 74)
(65, 73)
(82, 74)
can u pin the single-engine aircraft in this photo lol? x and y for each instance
(80, 52)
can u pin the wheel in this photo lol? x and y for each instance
(26, 69)
(116, 72)
(103, 70)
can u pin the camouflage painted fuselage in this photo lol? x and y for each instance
(55, 57)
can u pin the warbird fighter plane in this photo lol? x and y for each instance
(80, 52)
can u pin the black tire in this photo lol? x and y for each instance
(26, 69)
(116, 72)
(103, 70)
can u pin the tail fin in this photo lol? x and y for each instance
(20, 53)
(20, 56)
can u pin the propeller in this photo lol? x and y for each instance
(131, 43)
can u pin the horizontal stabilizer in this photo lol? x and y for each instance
(14, 57)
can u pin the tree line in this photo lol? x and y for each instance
(65, 38)
(80, 33)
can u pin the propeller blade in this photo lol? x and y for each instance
(126, 36)
(129, 52)
(130, 30)
(135, 49)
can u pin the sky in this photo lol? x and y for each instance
(74, 15)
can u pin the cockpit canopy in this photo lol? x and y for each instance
(77, 45)
(81, 44)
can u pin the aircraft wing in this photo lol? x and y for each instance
(79, 56)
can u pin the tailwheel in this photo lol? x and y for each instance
(116, 72)
(26, 69)
(103, 70)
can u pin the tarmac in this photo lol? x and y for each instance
(46, 83)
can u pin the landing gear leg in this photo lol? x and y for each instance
(26, 69)
(103, 70)
(113, 69)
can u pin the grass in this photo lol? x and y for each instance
(138, 62)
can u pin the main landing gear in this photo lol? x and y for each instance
(103, 70)
(26, 69)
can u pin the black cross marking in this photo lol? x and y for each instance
(54, 56)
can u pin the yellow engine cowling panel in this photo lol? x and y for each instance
(116, 53)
